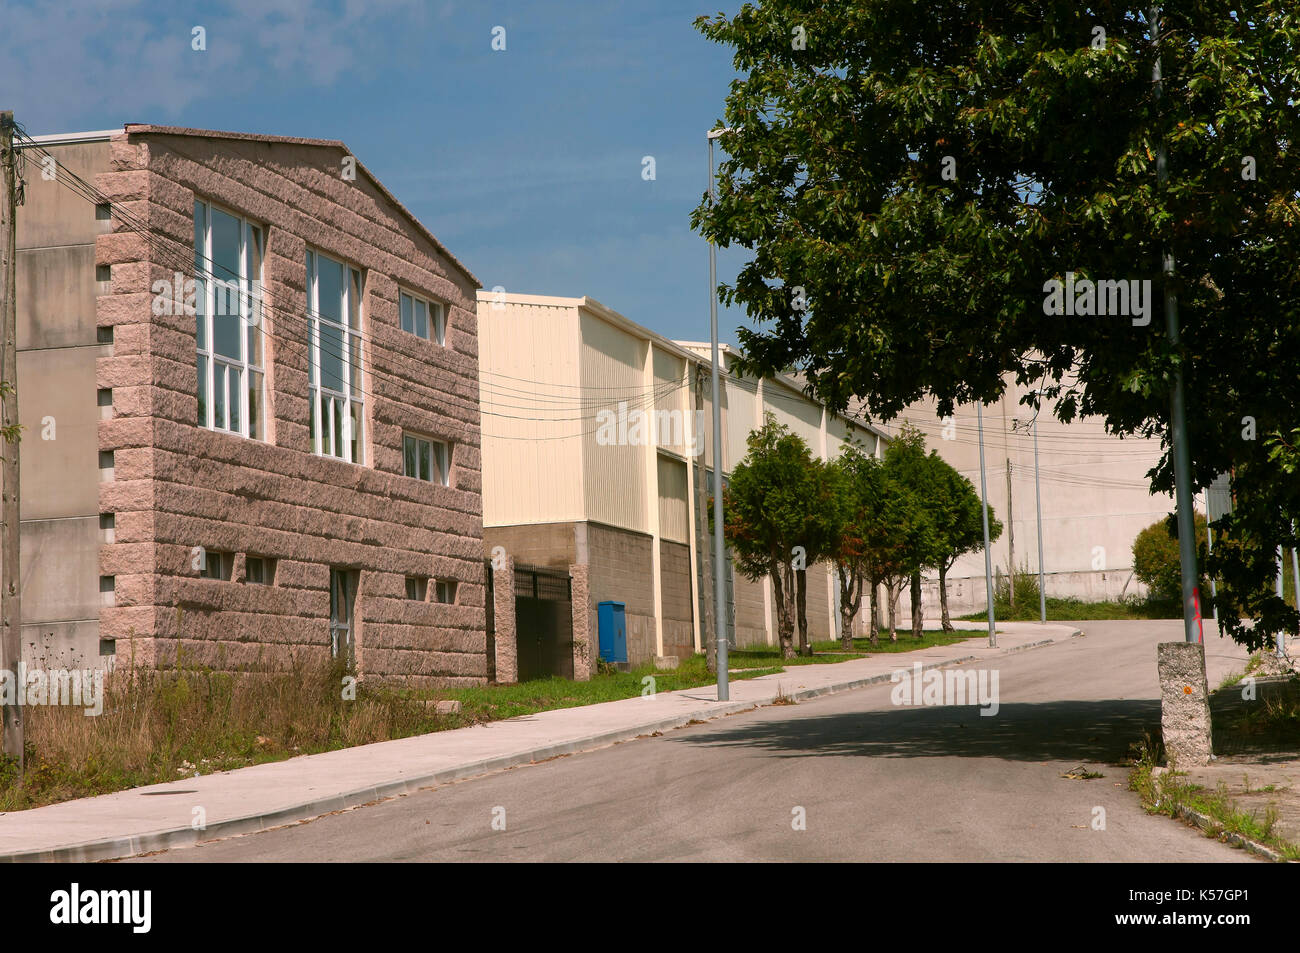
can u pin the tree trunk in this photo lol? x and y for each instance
(850, 604)
(893, 589)
(943, 597)
(918, 618)
(801, 606)
(875, 611)
(781, 585)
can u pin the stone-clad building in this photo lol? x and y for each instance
(290, 466)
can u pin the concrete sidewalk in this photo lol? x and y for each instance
(256, 798)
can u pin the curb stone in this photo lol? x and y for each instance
(1209, 825)
(117, 848)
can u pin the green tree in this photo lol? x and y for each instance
(779, 509)
(858, 481)
(823, 528)
(919, 475)
(910, 187)
(959, 521)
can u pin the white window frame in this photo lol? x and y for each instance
(438, 475)
(451, 589)
(251, 314)
(324, 411)
(437, 328)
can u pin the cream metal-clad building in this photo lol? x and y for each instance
(1095, 498)
(597, 455)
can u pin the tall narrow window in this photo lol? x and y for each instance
(228, 253)
(337, 396)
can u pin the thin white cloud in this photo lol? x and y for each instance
(140, 64)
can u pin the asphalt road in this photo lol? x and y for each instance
(872, 781)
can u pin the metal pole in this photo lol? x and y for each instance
(1295, 571)
(1011, 544)
(1038, 500)
(1209, 549)
(1178, 418)
(988, 559)
(1281, 635)
(719, 546)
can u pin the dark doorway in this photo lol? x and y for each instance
(543, 623)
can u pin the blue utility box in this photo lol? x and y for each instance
(612, 619)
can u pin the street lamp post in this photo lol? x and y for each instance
(719, 546)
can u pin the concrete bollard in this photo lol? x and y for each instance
(1184, 704)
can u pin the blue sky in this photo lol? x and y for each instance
(526, 163)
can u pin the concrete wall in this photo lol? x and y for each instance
(57, 355)
(550, 545)
(678, 613)
(177, 486)
(751, 616)
(622, 569)
(1095, 499)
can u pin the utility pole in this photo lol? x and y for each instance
(1011, 544)
(984, 503)
(1038, 506)
(1038, 503)
(10, 615)
(1177, 409)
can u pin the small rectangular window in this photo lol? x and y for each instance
(442, 456)
(444, 591)
(104, 397)
(259, 570)
(103, 212)
(426, 459)
(423, 318)
(103, 272)
(416, 588)
(104, 335)
(215, 565)
(106, 459)
(107, 521)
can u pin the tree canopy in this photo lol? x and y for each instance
(921, 190)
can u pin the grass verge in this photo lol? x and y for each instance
(1168, 792)
(1075, 610)
(159, 726)
(829, 652)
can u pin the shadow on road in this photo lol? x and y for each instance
(1096, 731)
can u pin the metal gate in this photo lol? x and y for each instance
(543, 623)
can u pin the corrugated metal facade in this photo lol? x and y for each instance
(533, 413)
(616, 438)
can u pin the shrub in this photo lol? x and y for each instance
(1026, 604)
(1156, 561)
